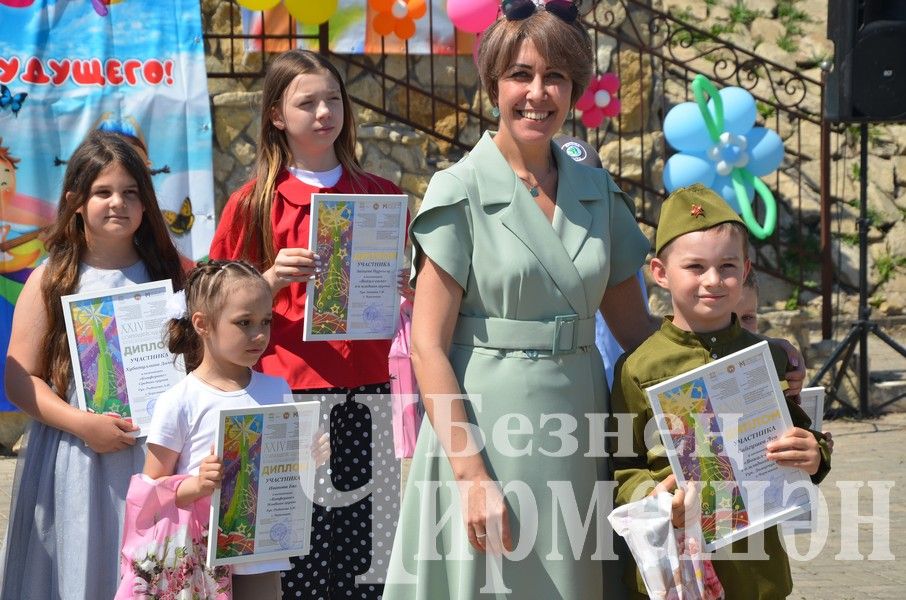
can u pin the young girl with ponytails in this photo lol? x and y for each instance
(222, 333)
(307, 145)
(69, 494)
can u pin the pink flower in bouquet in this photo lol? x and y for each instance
(692, 546)
(600, 100)
(713, 588)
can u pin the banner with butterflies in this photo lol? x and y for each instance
(70, 66)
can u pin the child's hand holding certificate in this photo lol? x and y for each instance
(716, 422)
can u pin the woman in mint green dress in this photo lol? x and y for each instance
(516, 247)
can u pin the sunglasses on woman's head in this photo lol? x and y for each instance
(516, 10)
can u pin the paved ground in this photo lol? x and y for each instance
(870, 454)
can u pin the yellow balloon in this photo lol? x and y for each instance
(311, 12)
(259, 4)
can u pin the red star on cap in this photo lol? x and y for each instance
(697, 211)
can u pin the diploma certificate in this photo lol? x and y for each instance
(360, 240)
(715, 422)
(264, 505)
(811, 400)
(120, 364)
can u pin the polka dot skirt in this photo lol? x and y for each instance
(341, 537)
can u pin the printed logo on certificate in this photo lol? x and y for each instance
(263, 508)
(716, 421)
(120, 363)
(360, 240)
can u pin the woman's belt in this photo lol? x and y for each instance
(561, 335)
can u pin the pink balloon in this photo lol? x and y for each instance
(473, 16)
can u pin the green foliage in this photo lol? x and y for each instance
(876, 301)
(853, 135)
(787, 43)
(802, 250)
(691, 37)
(855, 172)
(719, 29)
(886, 265)
(816, 59)
(848, 239)
(789, 13)
(874, 217)
(874, 135)
(800, 257)
(792, 303)
(682, 14)
(765, 110)
(742, 14)
(793, 29)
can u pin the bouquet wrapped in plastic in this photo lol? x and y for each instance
(671, 561)
(164, 546)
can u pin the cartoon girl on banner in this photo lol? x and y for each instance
(67, 68)
(22, 219)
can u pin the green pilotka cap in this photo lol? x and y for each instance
(689, 209)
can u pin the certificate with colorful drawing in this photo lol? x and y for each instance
(120, 363)
(715, 422)
(263, 507)
(360, 241)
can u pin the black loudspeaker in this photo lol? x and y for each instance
(868, 80)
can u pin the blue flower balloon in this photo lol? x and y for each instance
(720, 147)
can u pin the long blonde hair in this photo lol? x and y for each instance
(256, 200)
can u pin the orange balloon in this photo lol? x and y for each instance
(405, 28)
(384, 23)
(381, 5)
(417, 9)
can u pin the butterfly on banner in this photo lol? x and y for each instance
(100, 6)
(11, 101)
(180, 222)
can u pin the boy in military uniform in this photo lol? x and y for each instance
(702, 259)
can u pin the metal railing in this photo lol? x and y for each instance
(651, 51)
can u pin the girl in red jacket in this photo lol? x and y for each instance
(307, 145)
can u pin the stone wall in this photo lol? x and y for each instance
(390, 150)
(788, 32)
(792, 33)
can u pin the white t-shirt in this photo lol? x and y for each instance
(321, 179)
(185, 421)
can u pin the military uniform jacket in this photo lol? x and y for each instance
(667, 353)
